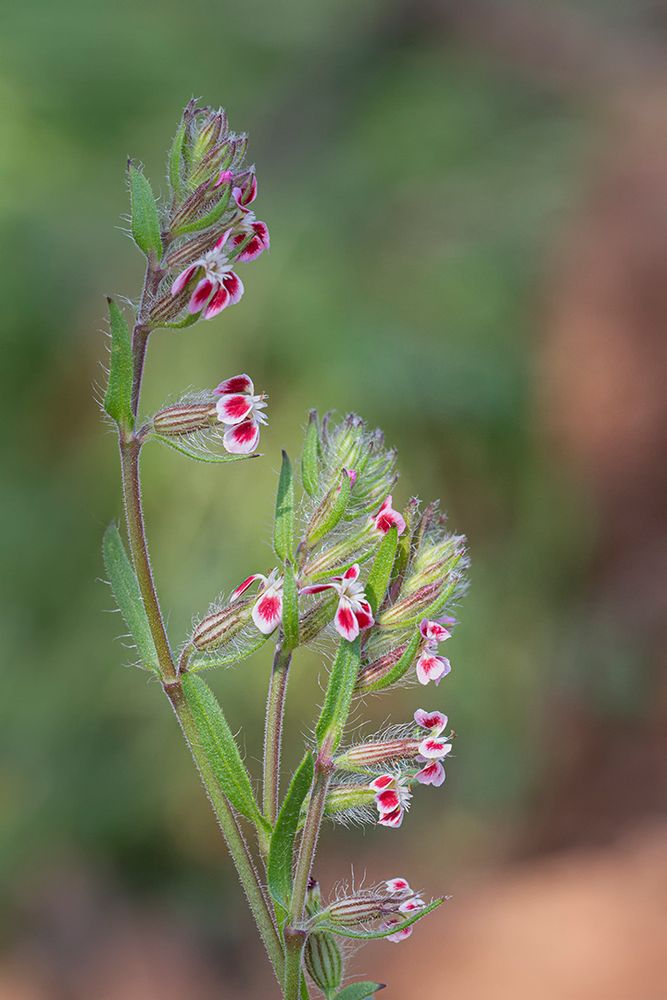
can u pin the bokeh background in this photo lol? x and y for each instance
(468, 211)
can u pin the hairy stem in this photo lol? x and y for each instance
(275, 708)
(130, 448)
(294, 945)
(309, 838)
(236, 842)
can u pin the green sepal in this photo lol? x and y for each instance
(145, 220)
(310, 459)
(290, 619)
(220, 748)
(180, 324)
(283, 531)
(359, 991)
(380, 572)
(118, 397)
(128, 596)
(399, 670)
(374, 935)
(338, 698)
(200, 456)
(332, 508)
(204, 221)
(281, 851)
(201, 662)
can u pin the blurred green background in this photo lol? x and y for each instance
(431, 175)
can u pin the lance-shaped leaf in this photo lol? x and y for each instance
(290, 607)
(175, 158)
(219, 746)
(283, 531)
(332, 508)
(310, 460)
(374, 935)
(128, 596)
(145, 221)
(359, 991)
(396, 673)
(340, 689)
(201, 453)
(380, 572)
(118, 397)
(281, 851)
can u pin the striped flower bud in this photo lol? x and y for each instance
(361, 909)
(371, 674)
(221, 626)
(184, 418)
(371, 754)
(324, 962)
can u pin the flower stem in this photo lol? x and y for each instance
(294, 945)
(275, 708)
(309, 838)
(130, 448)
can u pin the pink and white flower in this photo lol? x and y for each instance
(430, 666)
(268, 610)
(218, 285)
(242, 412)
(354, 612)
(432, 748)
(392, 798)
(387, 518)
(260, 241)
(398, 886)
(412, 903)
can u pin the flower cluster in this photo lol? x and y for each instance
(232, 404)
(379, 579)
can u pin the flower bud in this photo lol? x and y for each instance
(371, 754)
(411, 608)
(324, 962)
(221, 626)
(316, 618)
(345, 799)
(185, 418)
(376, 670)
(360, 909)
(331, 509)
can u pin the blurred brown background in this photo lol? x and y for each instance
(468, 210)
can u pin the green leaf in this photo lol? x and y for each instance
(281, 852)
(359, 991)
(128, 596)
(338, 698)
(331, 509)
(398, 670)
(201, 456)
(310, 463)
(118, 397)
(373, 935)
(283, 532)
(145, 221)
(380, 573)
(220, 748)
(290, 608)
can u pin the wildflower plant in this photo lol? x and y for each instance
(351, 569)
